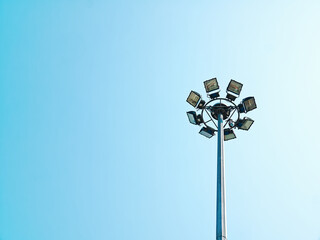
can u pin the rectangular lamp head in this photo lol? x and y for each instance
(245, 124)
(193, 98)
(234, 87)
(207, 132)
(229, 134)
(249, 103)
(194, 118)
(211, 85)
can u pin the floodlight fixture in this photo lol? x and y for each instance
(207, 132)
(229, 134)
(244, 124)
(211, 85)
(249, 103)
(234, 87)
(193, 98)
(194, 118)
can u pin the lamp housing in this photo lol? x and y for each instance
(207, 132)
(193, 98)
(249, 103)
(245, 123)
(234, 87)
(229, 134)
(211, 85)
(194, 118)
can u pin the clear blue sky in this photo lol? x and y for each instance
(94, 138)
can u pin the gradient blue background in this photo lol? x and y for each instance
(94, 138)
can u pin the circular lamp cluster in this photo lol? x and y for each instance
(231, 112)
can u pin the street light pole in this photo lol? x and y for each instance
(220, 115)
(221, 221)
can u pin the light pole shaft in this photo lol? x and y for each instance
(221, 221)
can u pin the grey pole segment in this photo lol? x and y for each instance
(221, 221)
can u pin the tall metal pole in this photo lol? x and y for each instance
(221, 228)
(221, 109)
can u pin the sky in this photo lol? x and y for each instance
(94, 138)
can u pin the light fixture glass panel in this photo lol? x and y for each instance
(207, 132)
(246, 124)
(211, 85)
(229, 134)
(193, 98)
(192, 117)
(234, 87)
(249, 103)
